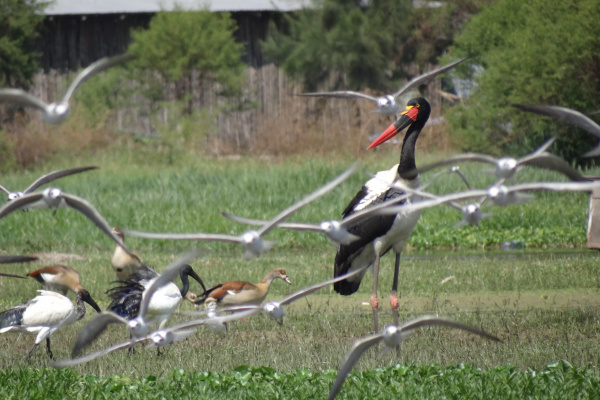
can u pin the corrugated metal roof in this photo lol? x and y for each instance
(63, 7)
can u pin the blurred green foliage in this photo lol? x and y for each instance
(7, 153)
(534, 52)
(180, 42)
(19, 24)
(431, 381)
(364, 44)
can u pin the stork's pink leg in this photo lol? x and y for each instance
(394, 305)
(394, 294)
(374, 301)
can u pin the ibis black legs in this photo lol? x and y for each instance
(35, 346)
(48, 351)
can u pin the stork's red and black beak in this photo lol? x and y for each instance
(408, 117)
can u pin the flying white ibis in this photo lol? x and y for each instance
(42, 180)
(567, 115)
(506, 167)
(381, 233)
(55, 198)
(393, 336)
(56, 113)
(215, 322)
(336, 229)
(16, 259)
(44, 314)
(253, 242)
(499, 194)
(388, 105)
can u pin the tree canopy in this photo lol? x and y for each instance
(19, 24)
(364, 44)
(179, 42)
(536, 51)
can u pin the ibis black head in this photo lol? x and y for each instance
(85, 296)
(186, 271)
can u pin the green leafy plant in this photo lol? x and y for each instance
(364, 44)
(179, 43)
(19, 27)
(7, 154)
(528, 52)
(344, 41)
(557, 380)
(180, 133)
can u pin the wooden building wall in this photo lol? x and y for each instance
(71, 42)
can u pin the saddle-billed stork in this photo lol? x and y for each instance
(381, 233)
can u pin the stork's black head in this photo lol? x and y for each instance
(415, 115)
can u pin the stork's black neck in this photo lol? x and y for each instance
(407, 169)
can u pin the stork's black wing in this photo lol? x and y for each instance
(367, 229)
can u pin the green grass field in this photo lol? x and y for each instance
(542, 300)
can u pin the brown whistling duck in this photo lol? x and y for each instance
(240, 292)
(58, 278)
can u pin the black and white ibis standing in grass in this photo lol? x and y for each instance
(56, 113)
(42, 180)
(393, 336)
(144, 298)
(55, 198)
(381, 233)
(569, 116)
(44, 314)
(217, 323)
(388, 105)
(253, 241)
